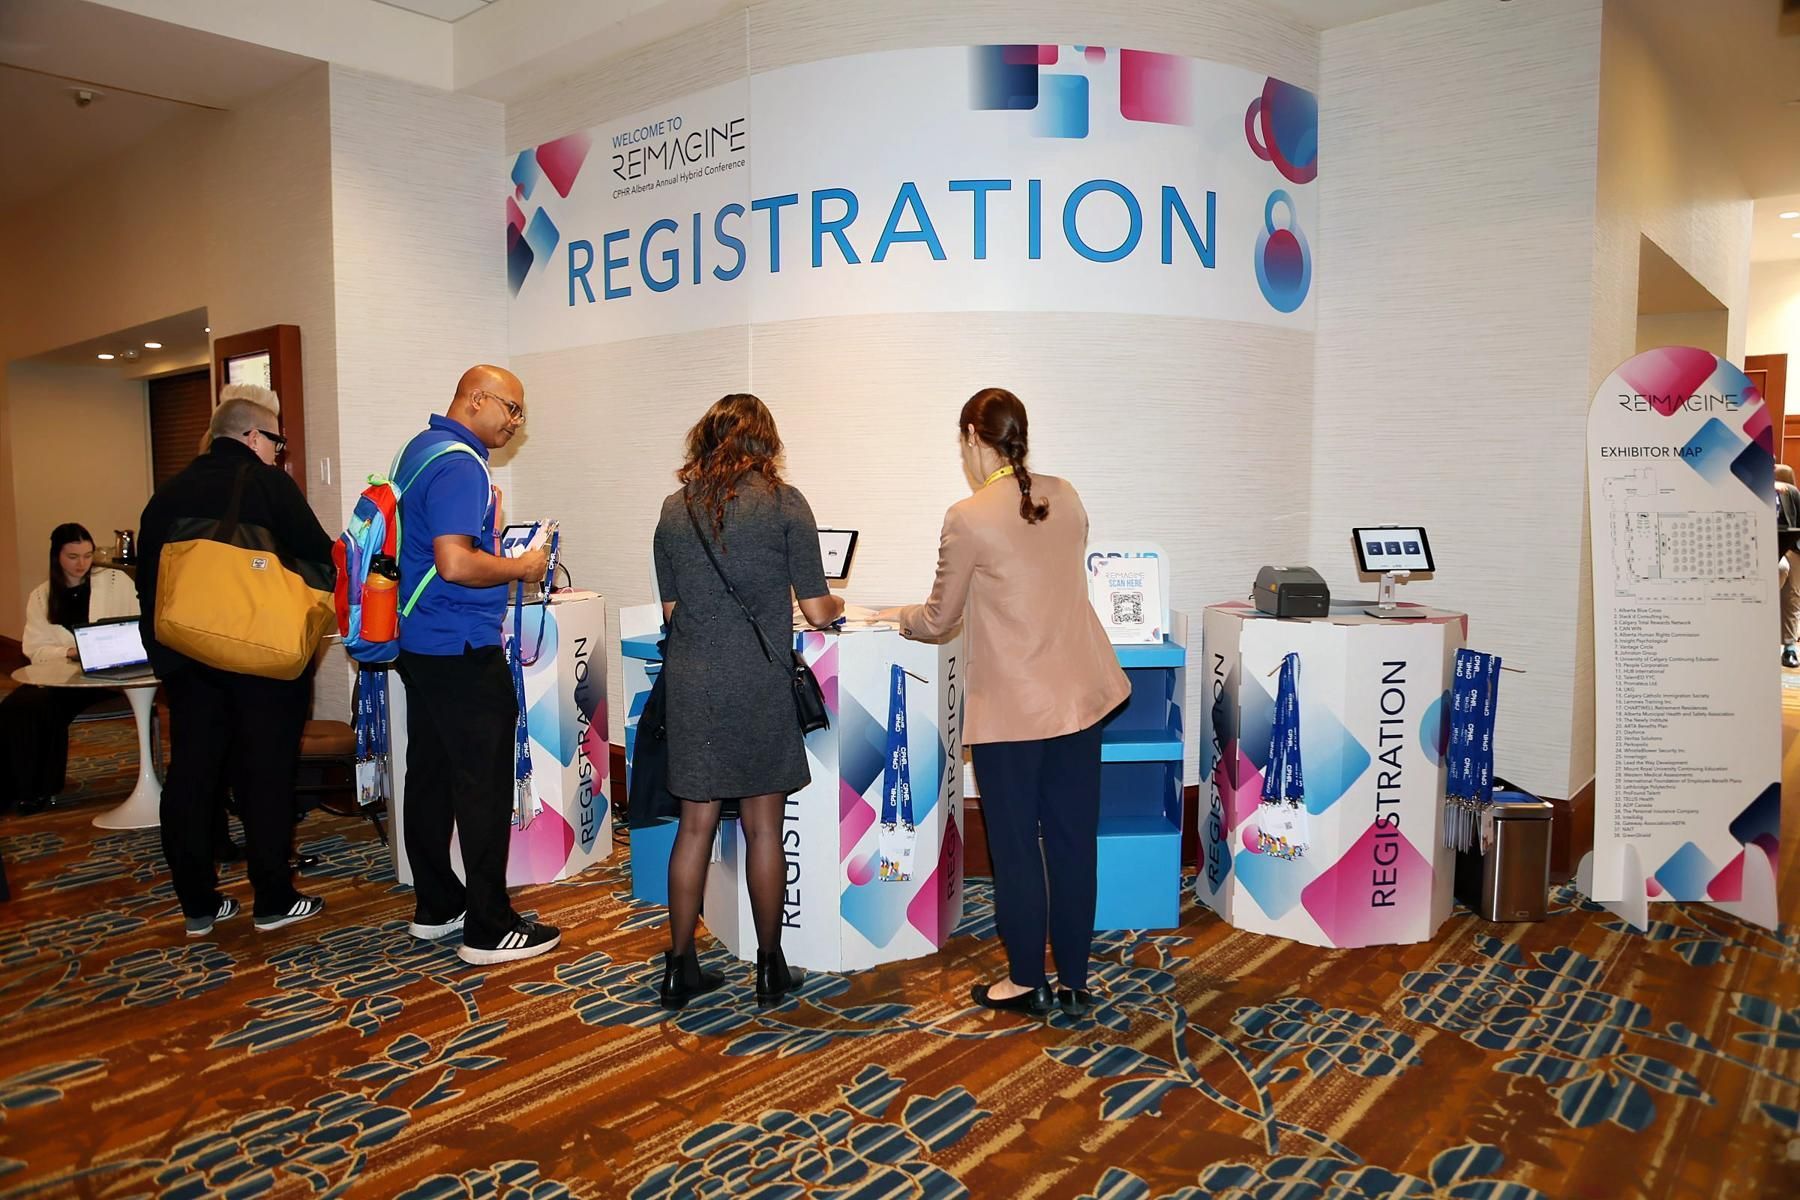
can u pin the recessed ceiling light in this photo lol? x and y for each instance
(153, 345)
(105, 357)
(1788, 216)
(209, 329)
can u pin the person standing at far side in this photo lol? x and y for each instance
(223, 724)
(1787, 545)
(1042, 676)
(461, 709)
(732, 732)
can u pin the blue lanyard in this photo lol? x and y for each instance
(1474, 709)
(1283, 780)
(515, 656)
(896, 796)
(371, 713)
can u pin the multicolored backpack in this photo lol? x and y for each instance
(374, 530)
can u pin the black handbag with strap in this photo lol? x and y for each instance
(648, 800)
(809, 697)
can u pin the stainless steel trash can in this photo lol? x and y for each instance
(1508, 877)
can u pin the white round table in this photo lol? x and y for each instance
(143, 808)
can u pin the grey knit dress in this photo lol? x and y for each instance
(732, 728)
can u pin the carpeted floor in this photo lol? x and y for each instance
(1569, 1058)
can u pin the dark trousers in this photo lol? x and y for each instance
(243, 730)
(460, 714)
(1050, 787)
(34, 739)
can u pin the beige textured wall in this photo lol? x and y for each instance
(1707, 330)
(417, 259)
(1172, 429)
(1456, 236)
(1774, 317)
(224, 211)
(86, 441)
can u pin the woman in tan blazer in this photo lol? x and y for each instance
(1041, 678)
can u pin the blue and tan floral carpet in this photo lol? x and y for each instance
(1574, 1057)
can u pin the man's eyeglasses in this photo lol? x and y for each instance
(279, 441)
(514, 411)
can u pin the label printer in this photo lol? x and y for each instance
(1291, 592)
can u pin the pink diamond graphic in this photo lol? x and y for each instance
(561, 160)
(1355, 910)
(1669, 376)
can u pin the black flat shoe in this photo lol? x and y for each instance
(683, 979)
(774, 978)
(33, 805)
(1037, 1002)
(1076, 1002)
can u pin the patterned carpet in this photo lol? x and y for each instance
(1569, 1058)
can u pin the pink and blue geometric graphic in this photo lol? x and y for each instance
(1283, 261)
(1711, 451)
(1153, 87)
(1062, 110)
(1669, 376)
(1282, 127)
(532, 240)
(1340, 899)
(1156, 88)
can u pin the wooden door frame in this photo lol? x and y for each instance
(1769, 373)
(283, 345)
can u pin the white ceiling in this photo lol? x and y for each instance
(141, 72)
(183, 336)
(443, 10)
(1771, 238)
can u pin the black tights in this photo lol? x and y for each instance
(761, 817)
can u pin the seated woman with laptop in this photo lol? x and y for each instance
(34, 721)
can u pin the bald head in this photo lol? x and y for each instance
(490, 402)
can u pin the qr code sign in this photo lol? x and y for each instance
(1128, 608)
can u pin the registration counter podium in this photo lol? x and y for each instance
(837, 913)
(565, 697)
(1374, 709)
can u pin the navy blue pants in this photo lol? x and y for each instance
(1048, 788)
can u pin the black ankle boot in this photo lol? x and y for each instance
(774, 978)
(683, 979)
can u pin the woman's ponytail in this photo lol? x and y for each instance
(998, 418)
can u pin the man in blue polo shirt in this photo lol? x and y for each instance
(460, 704)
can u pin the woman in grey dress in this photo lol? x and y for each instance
(733, 734)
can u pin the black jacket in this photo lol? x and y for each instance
(272, 500)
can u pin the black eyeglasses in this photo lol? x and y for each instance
(280, 442)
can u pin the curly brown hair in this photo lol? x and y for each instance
(735, 437)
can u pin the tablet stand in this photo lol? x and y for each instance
(1385, 605)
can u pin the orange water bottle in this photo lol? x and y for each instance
(381, 600)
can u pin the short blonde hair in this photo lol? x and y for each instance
(254, 392)
(238, 415)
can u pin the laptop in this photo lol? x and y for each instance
(113, 650)
(836, 548)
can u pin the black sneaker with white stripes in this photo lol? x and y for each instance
(428, 930)
(526, 939)
(302, 908)
(201, 926)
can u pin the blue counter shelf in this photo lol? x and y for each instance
(640, 661)
(1142, 748)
